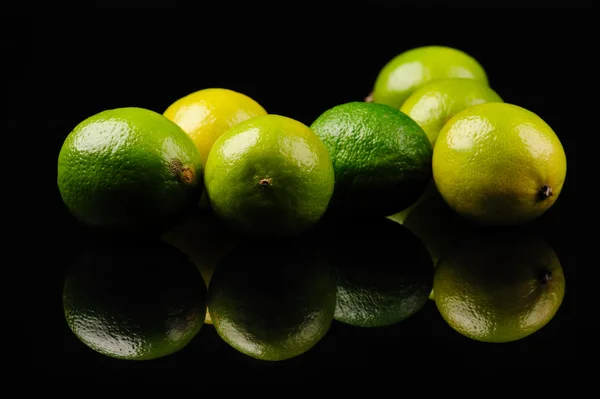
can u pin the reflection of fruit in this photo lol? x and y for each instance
(498, 164)
(270, 175)
(434, 103)
(413, 68)
(205, 240)
(383, 272)
(499, 287)
(435, 223)
(132, 300)
(206, 114)
(129, 169)
(272, 301)
(381, 158)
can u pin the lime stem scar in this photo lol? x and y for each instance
(265, 182)
(545, 192)
(546, 276)
(187, 175)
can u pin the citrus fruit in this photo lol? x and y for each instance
(270, 175)
(413, 68)
(381, 158)
(205, 240)
(435, 223)
(499, 287)
(272, 301)
(498, 164)
(129, 169)
(133, 300)
(382, 270)
(207, 114)
(434, 103)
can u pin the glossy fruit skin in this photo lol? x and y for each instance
(383, 271)
(269, 176)
(434, 103)
(499, 164)
(272, 300)
(129, 170)
(133, 300)
(499, 287)
(381, 158)
(206, 114)
(413, 68)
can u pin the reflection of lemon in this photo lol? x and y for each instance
(499, 287)
(205, 240)
(206, 114)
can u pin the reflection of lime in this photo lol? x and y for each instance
(133, 300)
(434, 222)
(205, 240)
(272, 301)
(269, 176)
(383, 272)
(499, 287)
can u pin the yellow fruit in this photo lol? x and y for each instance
(498, 164)
(206, 114)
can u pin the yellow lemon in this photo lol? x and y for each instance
(206, 114)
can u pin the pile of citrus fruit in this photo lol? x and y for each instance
(358, 217)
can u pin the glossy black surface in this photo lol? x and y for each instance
(77, 67)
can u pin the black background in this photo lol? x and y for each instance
(297, 61)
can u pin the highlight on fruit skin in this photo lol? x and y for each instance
(129, 170)
(208, 113)
(270, 176)
(499, 164)
(413, 68)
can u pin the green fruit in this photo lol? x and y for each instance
(499, 286)
(133, 300)
(434, 103)
(406, 72)
(269, 176)
(272, 301)
(383, 271)
(129, 169)
(381, 158)
(499, 164)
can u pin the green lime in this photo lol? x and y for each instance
(129, 169)
(381, 158)
(433, 104)
(272, 300)
(269, 176)
(411, 69)
(499, 164)
(134, 300)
